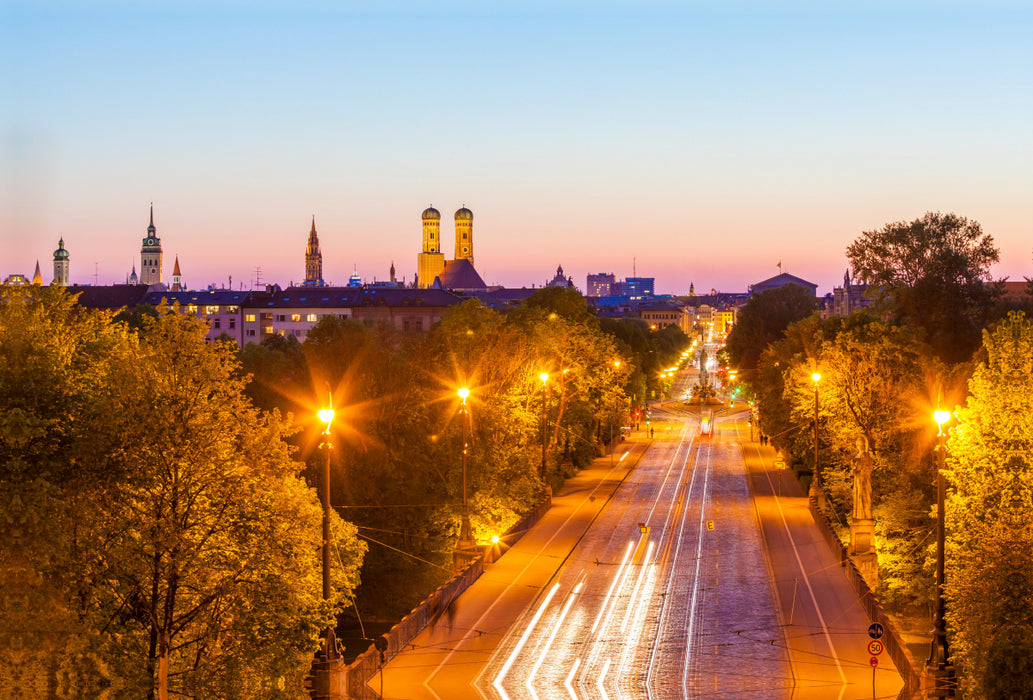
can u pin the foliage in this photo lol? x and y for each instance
(763, 320)
(934, 273)
(990, 547)
(163, 511)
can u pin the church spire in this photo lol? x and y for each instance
(150, 229)
(313, 259)
(177, 278)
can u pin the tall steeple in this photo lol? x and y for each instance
(61, 264)
(392, 272)
(151, 256)
(37, 277)
(313, 259)
(177, 278)
(464, 234)
(431, 261)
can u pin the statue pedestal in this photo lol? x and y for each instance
(862, 536)
(862, 550)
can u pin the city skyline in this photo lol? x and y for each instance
(706, 144)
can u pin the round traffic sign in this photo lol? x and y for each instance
(874, 661)
(875, 630)
(875, 647)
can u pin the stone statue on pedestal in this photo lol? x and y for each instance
(862, 526)
(862, 468)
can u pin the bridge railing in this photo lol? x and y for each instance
(369, 662)
(908, 668)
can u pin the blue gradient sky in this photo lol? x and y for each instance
(706, 141)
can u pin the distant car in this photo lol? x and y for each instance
(706, 425)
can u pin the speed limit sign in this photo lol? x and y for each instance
(875, 647)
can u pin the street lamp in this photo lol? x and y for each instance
(328, 664)
(544, 376)
(466, 541)
(939, 667)
(815, 490)
(616, 366)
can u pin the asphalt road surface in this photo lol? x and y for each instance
(690, 568)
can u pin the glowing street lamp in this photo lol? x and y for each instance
(466, 541)
(939, 667)
(326, 667)
(815, 490)
(544, 376)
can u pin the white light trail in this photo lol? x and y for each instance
(638, 584)
(613, 585)
(570, 678)
(523, 639)
(602, 680)
(552, 636)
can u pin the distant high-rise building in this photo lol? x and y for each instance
(177, 278)
(464, 234)
(150, 256)
(431, 261)
(601, 285)
(61, 264)
(638, 287)
(313, 260)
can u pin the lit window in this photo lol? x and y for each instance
(250, 318)
(191, 308)
(310, 317)
(295, 317)
(209, 310)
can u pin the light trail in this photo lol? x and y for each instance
(616, 578)
(695, 581)
(552, 636)
(638, 584)
(570, 677)
(602, 680)
(523, 639)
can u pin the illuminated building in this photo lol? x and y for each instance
(61, 264)
(150, 256)
(313, 260)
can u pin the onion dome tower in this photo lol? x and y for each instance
(150, 256)
(431, 261)
(61, 264)
(464, 234)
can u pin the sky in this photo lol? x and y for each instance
(700, 142)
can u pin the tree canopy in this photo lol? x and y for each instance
(156, 506)
(763, 320)
(935, 273)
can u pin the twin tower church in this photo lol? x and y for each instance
(432, 270)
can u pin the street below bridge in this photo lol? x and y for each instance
(690, 568)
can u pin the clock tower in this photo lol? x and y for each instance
(150, 256)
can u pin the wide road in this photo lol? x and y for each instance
(649, 579)
(668, 595)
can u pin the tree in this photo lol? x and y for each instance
(171, 522)
(763, 320)
(990, 519)
(933, 272)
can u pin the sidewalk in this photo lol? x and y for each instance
(443, 661)
(826, 629)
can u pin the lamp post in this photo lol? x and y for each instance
(328, 665)
(815, 490)
(616, 366)
(466, 541)
(544, 376)
(939, 668)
